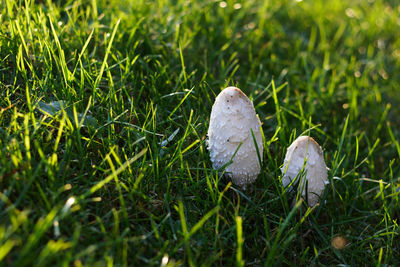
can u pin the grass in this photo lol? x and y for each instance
(104, 110)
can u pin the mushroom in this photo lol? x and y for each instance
(305, 154)
(233, 117)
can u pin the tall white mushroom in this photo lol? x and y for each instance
(305, 152)
(232, 118)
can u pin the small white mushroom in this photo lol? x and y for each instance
(305, 152)
(232, 118)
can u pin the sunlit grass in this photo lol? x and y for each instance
(104, 110)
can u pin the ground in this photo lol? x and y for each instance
(104, 110)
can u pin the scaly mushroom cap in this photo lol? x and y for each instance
(232, 118)
(315, 170)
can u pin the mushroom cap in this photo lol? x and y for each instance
(315, 170)
(232, 118)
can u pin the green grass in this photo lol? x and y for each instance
(89, 90)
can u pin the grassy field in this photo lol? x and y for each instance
(104, 110)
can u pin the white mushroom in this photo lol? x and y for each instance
(305, 153)
(232, 119)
